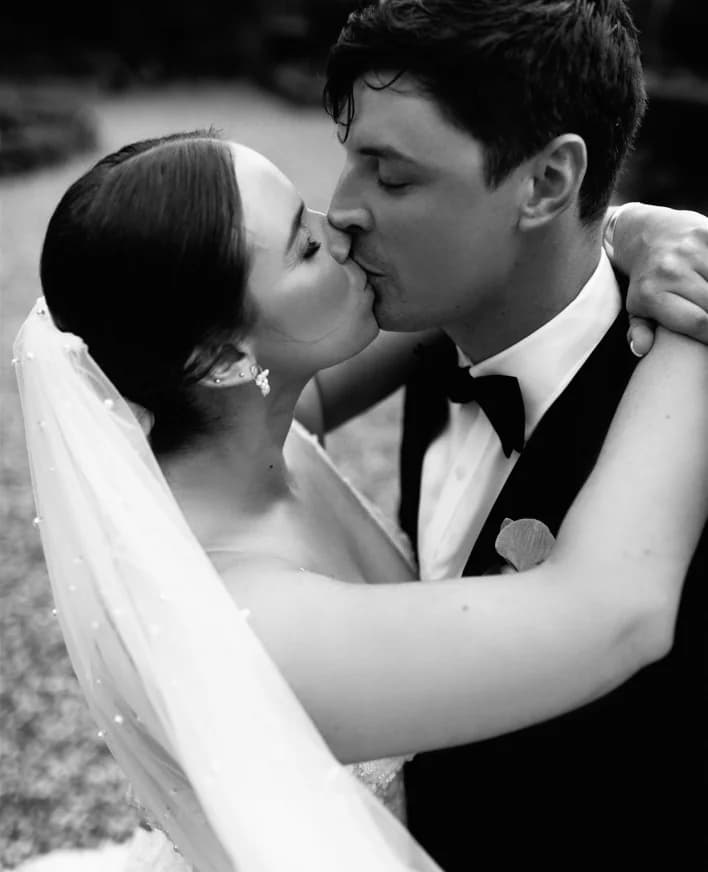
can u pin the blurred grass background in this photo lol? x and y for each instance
(73, 87)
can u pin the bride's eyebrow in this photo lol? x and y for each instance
(295, 226)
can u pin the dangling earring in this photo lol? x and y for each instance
(260, 376)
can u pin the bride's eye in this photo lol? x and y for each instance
(312, 246)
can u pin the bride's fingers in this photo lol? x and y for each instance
(666, 278)
(681, 315)
(640, 335)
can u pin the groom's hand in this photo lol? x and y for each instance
(665, 254)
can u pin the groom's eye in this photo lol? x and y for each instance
(390, 185)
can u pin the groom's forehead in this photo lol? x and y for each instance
(393, 111)
(394, 117)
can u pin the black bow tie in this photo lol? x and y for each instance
(499, 397)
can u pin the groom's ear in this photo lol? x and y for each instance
(555, 176)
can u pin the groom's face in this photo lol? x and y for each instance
(435, 239)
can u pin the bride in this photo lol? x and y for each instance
(185, 275)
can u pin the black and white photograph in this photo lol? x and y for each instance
(354, 450)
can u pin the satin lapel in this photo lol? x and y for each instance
(425, 414)
(563, 448)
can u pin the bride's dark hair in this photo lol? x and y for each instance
(145, 259)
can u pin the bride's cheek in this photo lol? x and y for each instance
(314, 315)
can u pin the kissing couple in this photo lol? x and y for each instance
(516, 677)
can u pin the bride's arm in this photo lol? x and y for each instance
(387, 669)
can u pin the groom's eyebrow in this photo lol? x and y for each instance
(386, 152)
(295, 226)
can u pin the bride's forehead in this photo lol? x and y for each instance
(254, 170)
(267, 197)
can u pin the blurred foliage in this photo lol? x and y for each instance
(125, 43)
(134, 41)
(37, 129)
(668, 165)
(673, 33)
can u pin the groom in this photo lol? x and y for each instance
(483, 142)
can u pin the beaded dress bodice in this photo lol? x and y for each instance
(384, 778)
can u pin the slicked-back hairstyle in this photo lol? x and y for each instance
(145, 259)
(513, 73)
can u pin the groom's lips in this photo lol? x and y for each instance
(367, 269)
(373, 279)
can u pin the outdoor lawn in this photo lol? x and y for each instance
(59, 785)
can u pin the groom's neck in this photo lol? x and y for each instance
(549, 273)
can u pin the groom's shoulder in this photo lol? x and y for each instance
(612, 359)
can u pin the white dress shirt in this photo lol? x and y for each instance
(465, 469)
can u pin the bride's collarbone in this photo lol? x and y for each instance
(311, 532)
(317, 524)
(297, 536)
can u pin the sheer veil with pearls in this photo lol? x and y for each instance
(215, 743)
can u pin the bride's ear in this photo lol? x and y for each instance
(235, 365)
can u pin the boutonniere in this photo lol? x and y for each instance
(524, 543)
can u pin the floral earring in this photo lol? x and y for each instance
(260, 376)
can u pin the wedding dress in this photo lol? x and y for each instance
(152, 851)
(212, 738)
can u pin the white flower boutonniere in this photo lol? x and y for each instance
(524, 543)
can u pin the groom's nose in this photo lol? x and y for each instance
(347, 213)
(339, 243)
(346, 223)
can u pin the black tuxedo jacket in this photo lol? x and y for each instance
(617, 784)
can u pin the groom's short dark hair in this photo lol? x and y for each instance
(513, 73)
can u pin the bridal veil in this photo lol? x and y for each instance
(213, 740)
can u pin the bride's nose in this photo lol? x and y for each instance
(338, 242)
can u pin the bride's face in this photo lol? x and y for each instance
(311, 312)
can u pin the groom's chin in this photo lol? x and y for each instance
(389, 322)
(389, 315)
(380, 315)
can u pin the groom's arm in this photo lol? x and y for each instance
(343, 391)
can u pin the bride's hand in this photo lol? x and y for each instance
(665, 254)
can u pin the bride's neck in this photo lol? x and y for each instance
(239, 465)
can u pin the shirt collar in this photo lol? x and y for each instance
(546, 360)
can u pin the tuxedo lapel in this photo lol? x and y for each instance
(425, 414)
(563, 448)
